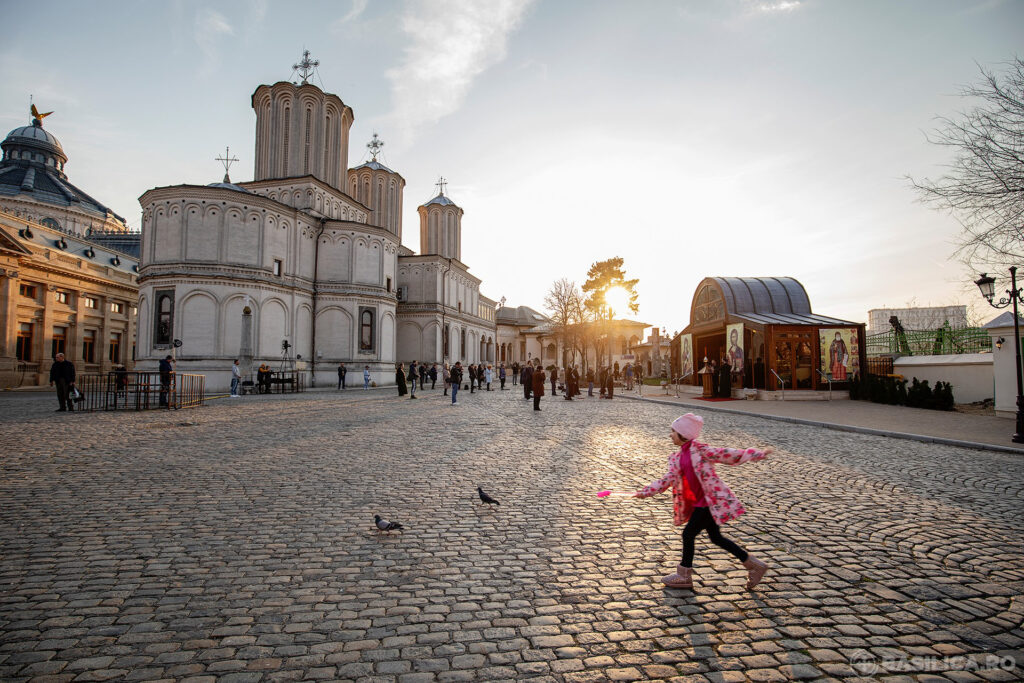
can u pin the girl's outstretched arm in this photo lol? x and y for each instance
(735, 456)
(657, 487)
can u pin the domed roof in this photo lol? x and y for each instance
(34, 136)
(374, 166)
(229, 186)
(440, 199)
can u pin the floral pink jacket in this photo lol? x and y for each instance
(722, 502)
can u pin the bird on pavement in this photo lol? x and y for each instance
(485, 498)
(384, 525)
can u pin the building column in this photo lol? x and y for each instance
(8, 312)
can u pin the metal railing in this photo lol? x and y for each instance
(940, 341)
(782, 383)
(121, 390)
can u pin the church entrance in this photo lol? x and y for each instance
(793, 360)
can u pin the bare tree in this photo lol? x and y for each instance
(564, 302)
(984, 185)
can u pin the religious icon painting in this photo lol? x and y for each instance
(839, 351)
(686, 354)
(734, 346)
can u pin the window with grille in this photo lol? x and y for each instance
(23, 348)
(367, 333)
(164, 318)
(89, 346)
(57, 344)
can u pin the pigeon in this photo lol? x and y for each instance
(485, 498)
(385, 525)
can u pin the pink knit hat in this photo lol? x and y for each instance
(688, 426)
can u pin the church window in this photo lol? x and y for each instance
(366, 330)
(277, 266)
(23, 348)
(164, 317)
(708, 306)
(447, 335)
(389, 284)
(328, 167)
(89, 346)
(462, 345)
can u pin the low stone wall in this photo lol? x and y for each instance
(969, 373)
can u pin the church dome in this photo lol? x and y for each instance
(33, 143)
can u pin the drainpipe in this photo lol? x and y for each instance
(312, 321)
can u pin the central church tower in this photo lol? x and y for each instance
(300, 131)
(441, 226)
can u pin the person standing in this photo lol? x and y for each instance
(423, 376)
(166, 378)
(590, 382)
(456, 379)
(413, 375)
(488, 376)
(341, 375)
(501, 375)
(366, 378)
(629, 377)
(446, 375)
(400, 379)
(433, 376)
(554, 380)
(515, 372)
(527, 381)
(471, 371)
(538, 386)
(62, 375)
(236, 377)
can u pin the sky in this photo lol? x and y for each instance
(690, 138)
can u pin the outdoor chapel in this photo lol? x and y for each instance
(765, 329)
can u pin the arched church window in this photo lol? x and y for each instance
(164, 318)
(366, 329)
(287, 135)
(50, 223)
(309, 120)
(462, 345)
(708, 305)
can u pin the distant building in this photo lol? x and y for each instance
(918, 318)
(34, 186)
(62, 294)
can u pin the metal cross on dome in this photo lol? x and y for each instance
(227, 160)
(374, 146)
(441, 185)
(306, 66)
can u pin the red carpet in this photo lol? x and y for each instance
(717, 399)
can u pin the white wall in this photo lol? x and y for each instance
(969, 373)
(1004, 370)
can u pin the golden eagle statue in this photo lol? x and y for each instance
(37, 117)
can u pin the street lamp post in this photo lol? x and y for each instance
(987, 286)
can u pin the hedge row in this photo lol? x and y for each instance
(894, 391)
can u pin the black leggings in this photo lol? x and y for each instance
(700, 520)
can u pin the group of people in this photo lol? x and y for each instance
(480, 377)
(343, 373)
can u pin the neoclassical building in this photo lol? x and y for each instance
(63, 288)
(314, 250)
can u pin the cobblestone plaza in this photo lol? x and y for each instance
(236, 542)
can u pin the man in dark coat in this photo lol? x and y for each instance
(455, 380)
(166, 378)
(609, 384)
(590, 381)
(538, 386)
(527, 380)
(62, 374)
(725, 379)
(341, 375)
(554, 380)
(472, 377)
(515, 372)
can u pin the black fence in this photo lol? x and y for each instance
(881, 365)
(139, 391)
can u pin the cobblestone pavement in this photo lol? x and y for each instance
(235, 542)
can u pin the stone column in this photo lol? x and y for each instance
(245, 347)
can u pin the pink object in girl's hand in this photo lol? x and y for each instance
(603, 494)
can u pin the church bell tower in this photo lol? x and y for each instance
(301, 130)
(441, 226)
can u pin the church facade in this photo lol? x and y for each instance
(313, 249)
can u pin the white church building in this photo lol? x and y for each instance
(314, 250)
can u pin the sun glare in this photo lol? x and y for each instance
(618, 299)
